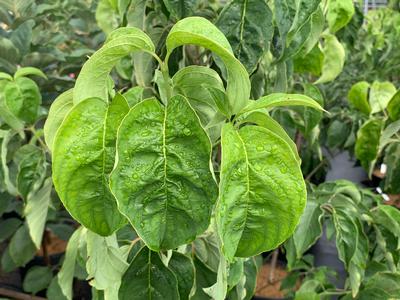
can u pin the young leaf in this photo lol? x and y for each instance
(280, 99)
(393, 107)
(358, 96)
(339, 14)
(201, 32)
(258, 172)
(380, 95)
(23, 98)
(334, 55)
(58, 110)
(83, 157)
(162, 179)
(95, 71)
(26, 71)
(247, 24)
(37, 205)
(5, 76)
(367, 144)
(148, 278)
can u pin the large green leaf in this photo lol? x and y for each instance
(107, 15)
(148, 278)
(393, 107)
(183, 268)
(358, 96)
(334, 56)
(382, 285)
(58, 110)
(21, 248)
(201, 32)
(83, 157)
(367, 144)
(36, 208)
(6, 116)
(388, 217)
(247, 24)
(280, 99)
(380, 95)
(339, 14)
(262, 192)
(392, 161)
(23, 98)
(38, 278)
(92, 80)
(162, 179)
(26, 71)
(6, 136)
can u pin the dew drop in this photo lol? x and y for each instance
(187, 131)
(260, 148)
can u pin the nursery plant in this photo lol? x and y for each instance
(366, 234)
(150, 163)
(378, 138)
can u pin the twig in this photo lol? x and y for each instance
(298, 140)
(273, 266)
(18, 295)
(45, 239)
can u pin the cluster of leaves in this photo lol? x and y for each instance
(367, 239)
(54, 36)
(119, 158)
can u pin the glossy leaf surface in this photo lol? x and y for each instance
(58, 110)
(183, 268)
(393, 107)
(201, 32)
(148, 278)
(92, 80)
(162, 180)
(358, 96)
(262, 192)
(83, 157)
(380, 95)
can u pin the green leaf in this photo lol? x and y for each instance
(388, 133)
(337, 133)
(21, 37)
(317, 27)
(311, 116)
(383, 285)
(54, 291)
(334, 56)
(107, 16)
(380, 95)
(21, 248)
(207, 251)
(8, 227)
(31, 170)
(83, 157)
(148, 278)
(162, 179)
(37, 279)
(23, 98)
(58, 110)
(339, 14)
(247, 24)
(66, 274)
(393, 107)
(358, 96)
(92, 80)
(309, 228)
(197, 84)
(281, 99)
(36, 208)
(201, 32)
(205, 277)
(134, 95)
(258, 172)
(218, 290)
(26, 71)
(392, 161)
(8, 51)
(5, 76)
(106, 263)
(7, 116)
(389, 217)
(367, 144)
(180, 9)
(269, 123)
(183, 268)
(6, 136)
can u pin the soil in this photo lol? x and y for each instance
(269, 289)
(54, 245)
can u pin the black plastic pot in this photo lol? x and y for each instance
(343, 166)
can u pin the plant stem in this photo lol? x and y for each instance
(18, 295)
(273, 265)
